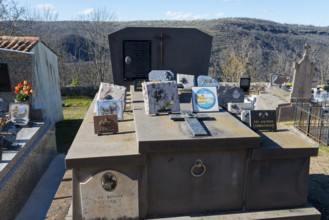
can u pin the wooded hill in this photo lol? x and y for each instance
(260, 47)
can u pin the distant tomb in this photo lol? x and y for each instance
(135, 51)
(279, 79)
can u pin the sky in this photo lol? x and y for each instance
(304, 12)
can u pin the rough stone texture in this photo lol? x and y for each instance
(22, 173)
(109, 91)
(181, 50)
(229, 94)
(188, 81)
(303, 76)
(162, 96)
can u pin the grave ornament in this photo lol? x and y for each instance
(204, 99)
(207, 81)
(8, 132)
(161, 75)
(106, 124)
(109, 195)
(263, 120)
(229, 94)
(187, 81)
(237, 108)
(160, 97)
(110, 107)
(192, 122)
(109, 91)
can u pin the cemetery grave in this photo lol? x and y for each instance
(154, 167)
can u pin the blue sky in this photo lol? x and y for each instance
(307, 12)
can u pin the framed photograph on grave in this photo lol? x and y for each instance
(110, 107)
(106, 124)
(19, 113)
(204, 99)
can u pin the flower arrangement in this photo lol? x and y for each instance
(23, 91)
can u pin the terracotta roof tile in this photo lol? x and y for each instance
(24, 44)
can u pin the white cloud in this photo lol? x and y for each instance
(47, 8)
(87, 11)
(185, 16)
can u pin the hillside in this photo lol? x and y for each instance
(259, 46)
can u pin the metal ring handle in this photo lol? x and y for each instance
(198, 164)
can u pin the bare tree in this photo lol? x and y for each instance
(10, 15)
(95, 28)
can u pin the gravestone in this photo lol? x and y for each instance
(207, 81)
(188, 81)
(181, 50)
(160, 97)
(161, 75)
(237, 108)
(303, 75)
(109, 194)
(279, 79)
(229, 94)
(109, 91)
(263, 120)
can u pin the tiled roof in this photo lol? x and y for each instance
(24, 44)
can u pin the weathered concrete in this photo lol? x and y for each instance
(23, 171)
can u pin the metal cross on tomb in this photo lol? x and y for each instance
(192, 122)
(162, 37)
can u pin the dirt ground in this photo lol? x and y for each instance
(318, 188)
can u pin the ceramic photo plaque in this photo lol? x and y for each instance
(204, 99)
(19, 113)
(110, 107)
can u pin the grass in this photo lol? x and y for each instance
(74, 111)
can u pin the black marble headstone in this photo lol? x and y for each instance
(8, 133)
(263, 120)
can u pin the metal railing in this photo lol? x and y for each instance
(313, 120)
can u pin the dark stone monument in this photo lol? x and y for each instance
(135, 51)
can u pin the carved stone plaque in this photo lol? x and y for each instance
(109, 195)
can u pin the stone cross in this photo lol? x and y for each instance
(192, 122)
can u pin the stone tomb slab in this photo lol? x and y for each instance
(109, 195)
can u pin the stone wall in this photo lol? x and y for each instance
(20, 67)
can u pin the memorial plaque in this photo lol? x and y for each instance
(237, 108)
(188, 81)
(263, 120)
(137, 58)
(245, 116)
(109, 195)
(279, 80)
(8, 132)
(106, 124)
(160, 97)
(110, 107)
(19, 113)
(204, 99)
(207, 81)
(1, 146)
(109, 91)
(138, 85)
(229, 94)
(161, 75)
